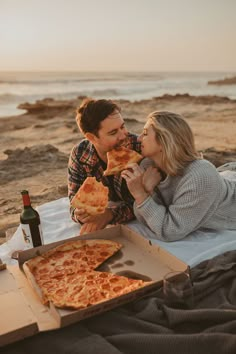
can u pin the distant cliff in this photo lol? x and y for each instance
(225, 81)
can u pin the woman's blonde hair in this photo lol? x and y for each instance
(176, 138)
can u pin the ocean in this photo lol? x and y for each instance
(20, 87)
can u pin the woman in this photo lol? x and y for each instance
(180, 192)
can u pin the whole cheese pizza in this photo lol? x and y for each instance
(67, 275)
(92, 196)
(119, 159)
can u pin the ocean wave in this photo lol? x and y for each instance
(10, 98)
(74, 80)
(54, 81)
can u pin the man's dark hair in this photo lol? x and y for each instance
(92, 112)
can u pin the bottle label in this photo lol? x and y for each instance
(27, 236)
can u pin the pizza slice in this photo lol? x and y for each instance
(80, 254)
(71, 257)
(119, 159)
(91, 196)
(80, 290)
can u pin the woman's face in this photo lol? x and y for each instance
(150, 146)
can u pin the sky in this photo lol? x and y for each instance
(118, 35)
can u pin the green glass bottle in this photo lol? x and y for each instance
(30, 223)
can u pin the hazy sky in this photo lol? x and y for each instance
(139, 35)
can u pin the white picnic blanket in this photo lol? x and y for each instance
(57, 225)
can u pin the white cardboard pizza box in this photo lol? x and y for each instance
(138, 258)
(22, 314)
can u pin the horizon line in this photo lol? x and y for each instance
(119, 71)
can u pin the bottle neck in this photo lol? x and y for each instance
(26, 200)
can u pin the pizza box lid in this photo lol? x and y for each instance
(22, 314)
(17, 321)
(138, 258)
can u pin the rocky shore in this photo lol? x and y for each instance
(225, 81)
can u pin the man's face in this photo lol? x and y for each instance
(112, 133)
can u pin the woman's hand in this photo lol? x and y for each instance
(151, 178)
(141, 183)
(134, 179)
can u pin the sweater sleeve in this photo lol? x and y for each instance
(192, 204)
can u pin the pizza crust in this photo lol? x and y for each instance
(34, 284)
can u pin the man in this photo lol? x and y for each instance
(104, 129)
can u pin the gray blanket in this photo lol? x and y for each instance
(149, 326)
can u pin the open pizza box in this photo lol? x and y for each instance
(23, 314)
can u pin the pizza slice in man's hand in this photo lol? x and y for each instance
(92, 196)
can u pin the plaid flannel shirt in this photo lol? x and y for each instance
(84, 162)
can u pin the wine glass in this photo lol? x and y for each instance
(178, 290)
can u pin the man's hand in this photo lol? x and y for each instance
(82, 216)
(96, 222)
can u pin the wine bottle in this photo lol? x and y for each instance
(30, 223)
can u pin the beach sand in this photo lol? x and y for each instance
(35, 146)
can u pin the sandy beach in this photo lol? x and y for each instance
(35, 146)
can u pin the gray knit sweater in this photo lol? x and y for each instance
(201, 197)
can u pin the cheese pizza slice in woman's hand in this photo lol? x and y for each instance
(119, 159)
